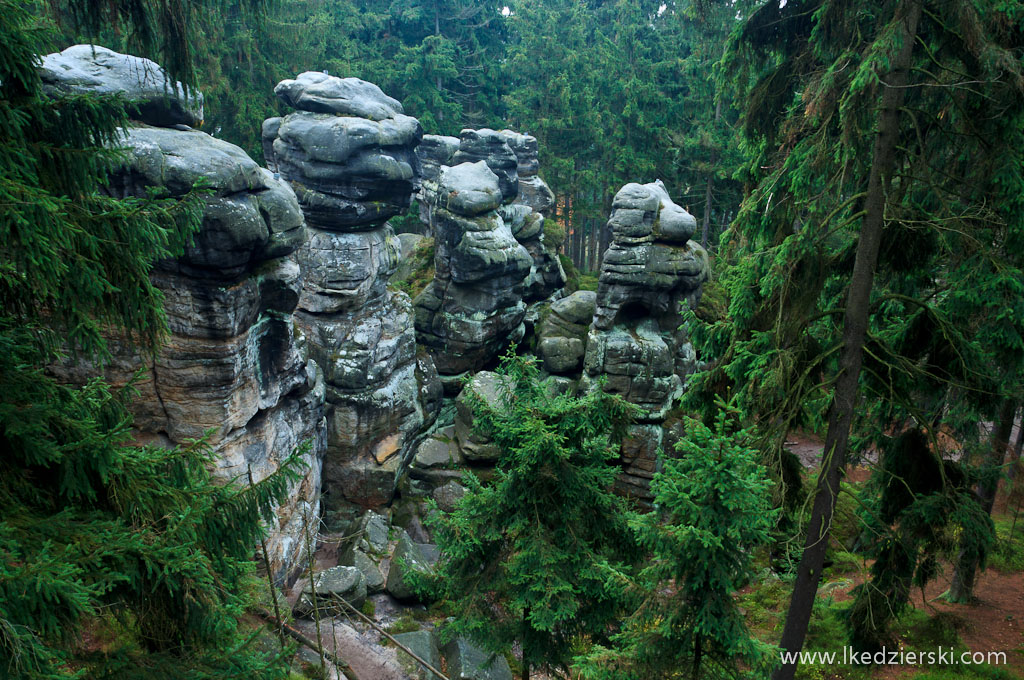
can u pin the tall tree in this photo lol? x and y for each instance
(93, 529)
(538, 556)
(852, 255)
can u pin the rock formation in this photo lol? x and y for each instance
(562, 332)
(349, 152)
(234, 363)
(474, 306)
(636, 339)
(434, 152)
(97, 70)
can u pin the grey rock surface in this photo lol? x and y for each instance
(321, 93)
(637, 340)
(491, 389)
(97, 70)
(473, 308)
(409, 557)
(234, 363)
(562, 332)
(468, 662)
(331, 587)
(349, 151)
(423, 643)
(490, 147)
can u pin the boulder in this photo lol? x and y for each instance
(422, 643)
(409, 557)
(354, 557)
(468, 662)
(332, 586)
(349, 152)
(637, 341)
(233, 364)
(475, 446)
(153, 98)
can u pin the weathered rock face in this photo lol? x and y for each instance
(636, 339)
(350, 156)
(349, 151)
(526, 216)
(474, 306)
(490, 147)
(234, 363)
(98, 70)
(434, 152)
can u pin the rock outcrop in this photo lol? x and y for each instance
(434, 152)
(97, 70)
(349, 151)
(562, 332)
(234, 364)
(350, 155)
(474, 306)
(636, 339)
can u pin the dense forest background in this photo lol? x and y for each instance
(615, 92)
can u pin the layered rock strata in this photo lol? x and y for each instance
(350, 154)
(234, 365)
(636, 340)
(434, 152)
(474, 306)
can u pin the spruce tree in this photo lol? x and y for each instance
(713, 512)
(539, 556)
(96, 533)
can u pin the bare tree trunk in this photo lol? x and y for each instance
(1018, 449)
(855, 325)
(711, 180)
(961, 588)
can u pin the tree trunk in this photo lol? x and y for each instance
(855, 325)
(961, 588)
(704, 235)
(1018, 448)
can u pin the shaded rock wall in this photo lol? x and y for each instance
(350, 154)
(234, 364)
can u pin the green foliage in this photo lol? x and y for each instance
(420, 269)
(924, 511)
(554, 235)
(540, 556)
(714, 511)
(92, 528)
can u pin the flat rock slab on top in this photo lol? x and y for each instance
(321, 93)
(98, 70)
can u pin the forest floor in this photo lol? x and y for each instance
(993, 623)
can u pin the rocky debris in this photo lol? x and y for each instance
(333, 587)
(449, 495)
(468, 662)
(234, 362)
(474, 306)
(636, 339)
(349, 152)
(474, 446)
(490, 147)
(153, 98)
(422, 643)
(562, 332)
(409, 557)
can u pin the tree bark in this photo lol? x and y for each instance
(855, 327)
(704, 235)
(961, 588)
(1018, 448)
